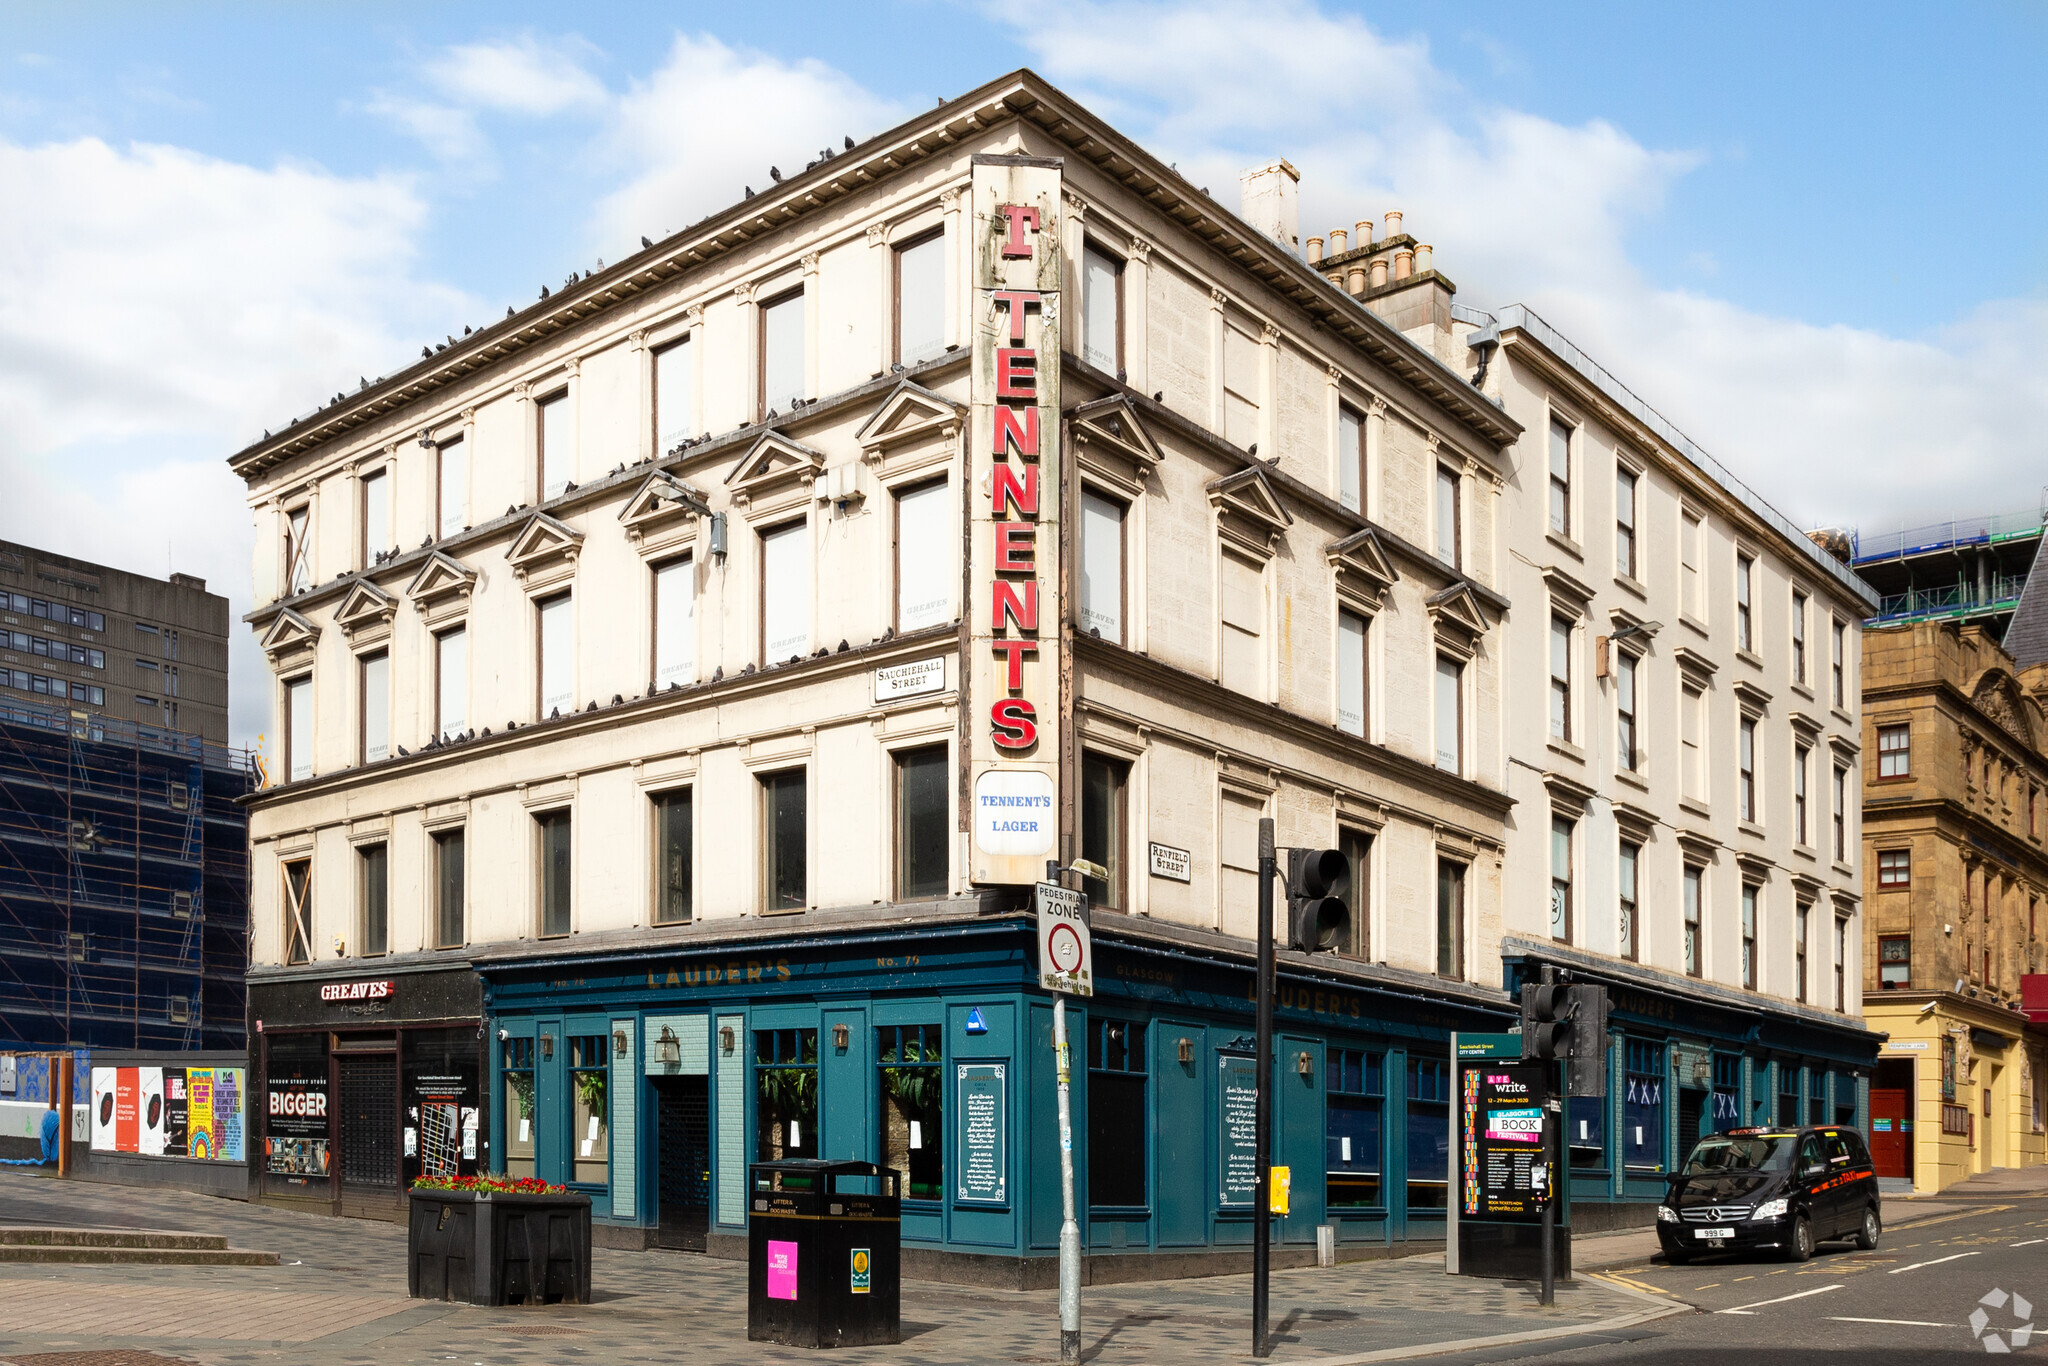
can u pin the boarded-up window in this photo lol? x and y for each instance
(376, 682)
(1351, 459)
(1450, 715)
(556, 666)
(451, 678)
(1102, 566)
(924, 561)
(1238, 852)
(1351, 672)
(376, 516)
(675, 600)
(1240, 387)
(557, 445)
(785, 593)
(673, 391)
(921, 299)
(453, 488)
(297, 551)
(1102, 303)
(298, 736)
(782, 353)
(1244, 625)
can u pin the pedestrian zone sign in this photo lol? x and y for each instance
(1066, 958)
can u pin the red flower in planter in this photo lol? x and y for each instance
(489, 1185)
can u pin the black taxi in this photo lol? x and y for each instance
(1771, 1189)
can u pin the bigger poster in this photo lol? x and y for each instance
(1500, 1125)
(295, 1107)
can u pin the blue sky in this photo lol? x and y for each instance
(1812, 235)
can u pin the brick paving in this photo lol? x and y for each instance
(338, 1299)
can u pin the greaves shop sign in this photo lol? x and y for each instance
(356, 991)
(1014, 450)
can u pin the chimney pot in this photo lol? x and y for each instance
(1379, 272)
(1337, 245)
(1404, 264)
(1393, 222)
(1365, 232)
(1425, 259)
(1268, 200)
(1354, 279)
(1315, 249)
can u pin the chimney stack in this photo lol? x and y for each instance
(1315, 250)
(1338, 246)
(1268, 200)
(1393, 223)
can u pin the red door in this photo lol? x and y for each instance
(1891, 1132)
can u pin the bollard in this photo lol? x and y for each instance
(1326, 1244)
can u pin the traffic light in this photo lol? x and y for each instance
(1546, 1021)
(1587, 1074)
(1317, 918)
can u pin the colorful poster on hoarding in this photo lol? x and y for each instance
(228, 1107)
(103, 1109)
(199, 1112)
(150, 1133)
(174, 1112)
(127, 1103)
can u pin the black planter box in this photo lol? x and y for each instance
(492, 1248)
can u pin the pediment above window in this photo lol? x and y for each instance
(1751, 695)
(1364, 570)
(663, 511)
(442, 588)
(1458, 617)
(910, 413)
(365, 613)
(1565, 590)
(544, 550)
(1568, 796)
(1111, 442)
(289, 635)
(1248, 512)
(775, 472)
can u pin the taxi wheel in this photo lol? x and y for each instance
(1800, 1248)
(1867, 1235)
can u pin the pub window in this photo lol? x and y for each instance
(1103, 797)
(1745, 584)
(552, 831)
(298, 911)
(1642, 1113)
(1351, 458)
(1244, 625)
(1353, 1104)
(673, 852)
(1894, 751)
(675, 609)
(920, 298)
(1894, 867)
(785, 823)
(1429, 1133)
(1352, 672)
(1694, 956)
(1628, 749)
(1561, 879)
(1816, 1096)
(1560, 477)
(924, 560)
(451, 488)
(1102, 309)
(1449, 539)
(590, 1115)
(298, 550)
(1802, 763)
(373, 877)
(1802, 917)
(1894, 961)
(1450, 918)
(1798, 637)
(1561, 678)
(1356, 847)
(782, 353)
(298, 727)
(1586, 1127)
(1625, 521)
(1749, 900)
(673, 383)
(785, 1094)
(376, 519)
(913, 1085)
(1745, 772)
(448, 889)
(1117, 1127)
(516, 1056)
(555, 655)
(373, 680)
(1788, 1093)
(1102, 566)
(923, 831)
(1450, 714)
(556, 457)
(785, 593)
(1629, 871)
(451, 683)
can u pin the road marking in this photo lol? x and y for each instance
(1745, 1308)
(1897, 1323)
(2030, 1242)
(1936, 1262)
(1740, 1279)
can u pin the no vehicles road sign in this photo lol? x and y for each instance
(1066, 958)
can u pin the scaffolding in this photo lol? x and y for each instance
(124, 884)
(1968, 570)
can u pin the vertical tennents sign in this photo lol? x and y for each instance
(1015, 496)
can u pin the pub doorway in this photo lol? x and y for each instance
(682, 1162)
(1891, 1118)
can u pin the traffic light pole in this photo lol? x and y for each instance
(1262, 1120)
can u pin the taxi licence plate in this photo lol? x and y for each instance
(1714, 1233)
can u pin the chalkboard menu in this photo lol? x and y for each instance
(1238, 1145)
(983, 1124)
(1500, 1126)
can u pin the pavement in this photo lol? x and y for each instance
(338, 1299)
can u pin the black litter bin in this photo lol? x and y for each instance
(823, 1260)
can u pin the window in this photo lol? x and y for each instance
(1356, 846)
(1561, 879)
(1449, 541)
(923, 832)
(909, 1061)
(1642, 1111)
(1102, 566)
(555, 662)
(1450, 714)
(1841, 815)
(1798, 637)
(782, 353)
(674, 423)
(1351, 459)
(1745, 775)
(1353, 1101)
(1841, 963)
(1237, 855)
(675, 628)
(924, 559)
(590, 1124)
(1561, 678)
(1244, 625)
(448, 889)
(1692, 711)
(1242, 365)
(376, 495)
(451, 680)
(1802, 760)
(1102, 309)
(1788, 1093)
(1625, 521)
(785, 825)
(673, 852)
(921, 298)
(1802, 914)
(1749, 899)
(298, 911)
(1450, 918)
(1627, 747)
(517, 1056)
(1429, 1133)
(1560, 477)
(1692, 532)
(785, 1094)
(1117, 1127)
(1745, 575)
(551, 844)
(1103, 784)
(1694, 955)
(1837, 647)
(373, 681)
(298, 557)
(1351, 672)
(555, 438)
(373, 877)
(785, 593)
(1894, 751)
(1894, 961)
(1630, 862)
(451, 490)
(1894, 868)
(298, 728)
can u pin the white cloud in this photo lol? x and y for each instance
(520, 75)
(448, 134)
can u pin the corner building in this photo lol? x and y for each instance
(683, 680)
